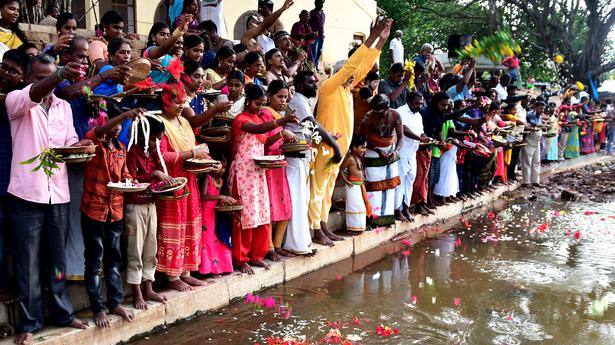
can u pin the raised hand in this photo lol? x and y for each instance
(118, 74)
(223, 107)
(72, 71)
(290, 117)
(185, 22)
(288, 4)
(62, 43)
(386, 31)
(134, 113)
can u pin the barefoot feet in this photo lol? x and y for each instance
(321, 238)
(328, 233)
(23, 338)
(284, 252)
(78, 323)
(192, 281)
(124, 313)
(273, 255)
(138, 302)
(245, 268)
(151, 295)
(261, 263)
(179, 285)
(102, 320)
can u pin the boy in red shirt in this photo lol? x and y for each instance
(141, 219)
(101, 218)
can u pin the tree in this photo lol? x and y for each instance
(424, 21)
(578, 29)
(33, 11)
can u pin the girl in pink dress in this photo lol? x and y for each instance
(251, 233)
(279, 193)
(215, 255)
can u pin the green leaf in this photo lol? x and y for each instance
(37, 168)
(30, 161)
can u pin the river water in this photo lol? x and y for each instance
(527, 273)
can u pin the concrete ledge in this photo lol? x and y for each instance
(376, 245)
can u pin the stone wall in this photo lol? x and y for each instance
(42, 35)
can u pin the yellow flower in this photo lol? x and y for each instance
(559, 59)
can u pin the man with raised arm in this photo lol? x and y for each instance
(335, 114)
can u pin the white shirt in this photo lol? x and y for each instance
(502, 93)
(214, 13)
(398, 50)
(266, 43)
(414, 122)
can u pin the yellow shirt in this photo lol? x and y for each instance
(335, 104)
(9, 38)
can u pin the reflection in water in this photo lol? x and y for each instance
(517, 276)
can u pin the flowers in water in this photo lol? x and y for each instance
(386, 331)
(413, 299)
(456, 301)
(577, 234)
(458, 242)
(589, 213)
(406, 242)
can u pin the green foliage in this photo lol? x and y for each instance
(48, 161)
(431, 22)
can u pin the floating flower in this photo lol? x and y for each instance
(405, 253)
(386, 331)
(406, 242)
(456, 301)
(589, 213)
(458, 242)
(577, 234)
(558, 59)
(413, 299)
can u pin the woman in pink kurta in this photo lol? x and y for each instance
(279, 193)
(248, 183)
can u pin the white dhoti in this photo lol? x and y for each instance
(381, 182)
(298, 238)
(356, 211)
(407, 174)
(448, 184)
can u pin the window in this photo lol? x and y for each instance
(126, 9)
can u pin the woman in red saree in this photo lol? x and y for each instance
(179, 221)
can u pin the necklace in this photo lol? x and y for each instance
(217, 182)
(357, 161)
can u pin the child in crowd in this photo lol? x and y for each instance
(216, 256)
(140, 217)
(358, 208)
(102, 218)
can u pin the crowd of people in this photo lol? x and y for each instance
(404, 145)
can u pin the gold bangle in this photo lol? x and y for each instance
(178, 33)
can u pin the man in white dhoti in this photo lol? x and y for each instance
(413, 135)
(298, 237)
